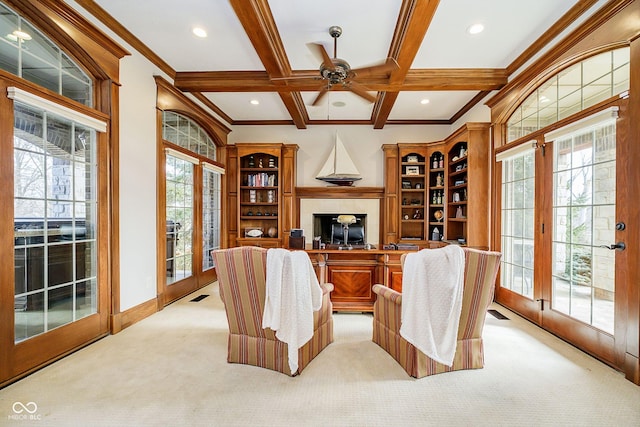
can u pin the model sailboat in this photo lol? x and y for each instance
(339, 168)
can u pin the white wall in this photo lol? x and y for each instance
(479, 113)
(138, 240)
(137, 182)
(363, 143)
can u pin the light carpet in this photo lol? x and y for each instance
(170, 370)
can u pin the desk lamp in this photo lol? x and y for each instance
(346, 220)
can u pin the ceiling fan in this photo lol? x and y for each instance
(336, 71)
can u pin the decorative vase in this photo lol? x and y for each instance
(272, 232)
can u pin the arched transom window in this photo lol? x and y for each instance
(27, 53)
(573, 89)
(187, 134)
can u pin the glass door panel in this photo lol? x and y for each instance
(517, 219)
(55, 205)
(583, 273)
(190, 192)
(211, 215)
(179, 185)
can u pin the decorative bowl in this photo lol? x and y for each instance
(256, 232)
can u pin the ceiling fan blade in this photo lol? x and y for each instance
(389, 65)
(360, 90)
(319, 50)
(321, 95)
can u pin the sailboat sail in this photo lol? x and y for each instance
(339, 168)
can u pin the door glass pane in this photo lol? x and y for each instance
(86, 298)
(210, 216)
(518, 189)
(54, 220)
(584, 218)
(29, 315)
(179, 212)
(60, 306)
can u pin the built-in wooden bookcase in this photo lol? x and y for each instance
(421, 192)
(436, 196)
(457, 193)
(468, 203)
(443, 186)
(414, 206)
(262, 193)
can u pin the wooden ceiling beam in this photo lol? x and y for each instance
(413, 21)
(382, 108)
(295, 104)
(454, 79)
(415, 80)
(257, 21)
(224, 81)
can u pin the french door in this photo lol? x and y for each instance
(55, 287)
(192, 217)
(579, 286)
(561, 236)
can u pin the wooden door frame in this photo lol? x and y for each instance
(170, 99)
(19, 359)
(604, 346)
(609, 349)
(100, 56)
(529, 308)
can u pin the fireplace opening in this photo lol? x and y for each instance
(326, 226)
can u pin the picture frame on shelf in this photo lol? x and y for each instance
(406, 185)
(412, 159)
(412, 170)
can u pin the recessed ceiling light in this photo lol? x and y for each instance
(544, 99)
(475, 29)
(424, 101)
(21, 35)
(339, 104)
(200, 32)
(255, 102)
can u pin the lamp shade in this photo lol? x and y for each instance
(346, 219)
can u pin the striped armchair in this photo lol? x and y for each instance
(481, 269)
(242, 280)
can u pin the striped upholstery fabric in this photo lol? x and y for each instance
(481, 269)
(241, 277)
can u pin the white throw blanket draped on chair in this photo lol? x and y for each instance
(292, 295)
(432, 285)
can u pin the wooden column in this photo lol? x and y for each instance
(288, 176)
(628, 183)
(390, 204)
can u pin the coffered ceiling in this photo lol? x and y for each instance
(251, 45)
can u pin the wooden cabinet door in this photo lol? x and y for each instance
(352, 286)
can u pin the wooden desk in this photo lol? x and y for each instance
(354, 272)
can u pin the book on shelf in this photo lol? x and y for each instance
(261, 179)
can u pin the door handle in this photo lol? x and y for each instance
(620, 246)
